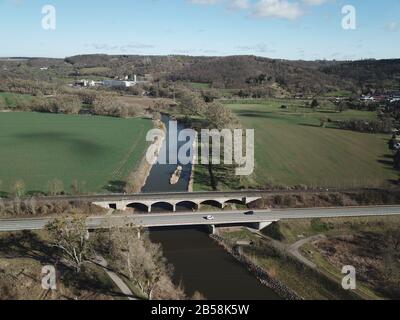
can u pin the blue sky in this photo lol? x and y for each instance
(288, 29)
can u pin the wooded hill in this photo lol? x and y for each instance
(232, 72)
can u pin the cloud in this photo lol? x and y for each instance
(392, 26)
(120, 48)
(283, 9)
(259, 48)
(205, 2)
(239, 5)
(314, 2)
(277, 9)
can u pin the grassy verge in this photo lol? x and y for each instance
(304, 281)
(290, 231)
(368, 243)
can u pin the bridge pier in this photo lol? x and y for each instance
(212, 229)
(261, 225)
(121, 206)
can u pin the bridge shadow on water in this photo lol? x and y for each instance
(200, 264)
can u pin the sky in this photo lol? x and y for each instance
(285, 29)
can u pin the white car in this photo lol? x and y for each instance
(209, 218)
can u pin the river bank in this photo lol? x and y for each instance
(263, 276)
(137, 178)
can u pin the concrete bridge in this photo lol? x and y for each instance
(146, 202)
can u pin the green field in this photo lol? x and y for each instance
(292, 148)
(95, 151)
(200, 86)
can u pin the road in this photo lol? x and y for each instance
(197, 218)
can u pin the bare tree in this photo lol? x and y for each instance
(71, 237)
(18, 188)
(55, 187)
(143, 263)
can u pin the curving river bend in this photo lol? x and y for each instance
(199, 263)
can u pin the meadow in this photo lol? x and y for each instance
(291, 147)
(97, 152)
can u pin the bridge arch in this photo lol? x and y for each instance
(186, 206)
(213, 203)
(162, 206)
(235, 201)
(138, 207)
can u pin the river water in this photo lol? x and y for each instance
(199, 263)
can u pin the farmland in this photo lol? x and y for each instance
(292, 148)
(90, 151)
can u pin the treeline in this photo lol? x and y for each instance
(368, 75)
(32, 207)
(75, 102)
(367, 126)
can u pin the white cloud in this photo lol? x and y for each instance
(392, 26)
(284, 9)
(277, 9)
(239, 4)
(205, 2)
(314, 2)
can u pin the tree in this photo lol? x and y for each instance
(220, 117)
(71, 237)
(396, 160)
(55, 187)
(18, 188)
(314, 104)
(142, 262)
(3, 104)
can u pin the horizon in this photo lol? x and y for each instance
(191, 56)
(305, 30)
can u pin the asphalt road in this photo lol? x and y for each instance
(198, 218)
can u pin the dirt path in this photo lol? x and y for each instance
(294, 249)
(115, 278)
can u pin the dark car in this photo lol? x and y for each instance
(249, 213)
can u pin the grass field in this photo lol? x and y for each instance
(200, 86)
(292, 148)
(38, 148)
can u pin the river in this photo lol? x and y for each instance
(199, 263)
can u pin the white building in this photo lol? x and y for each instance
(118, 83)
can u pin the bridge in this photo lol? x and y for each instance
(145, 202)
(259, 220)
